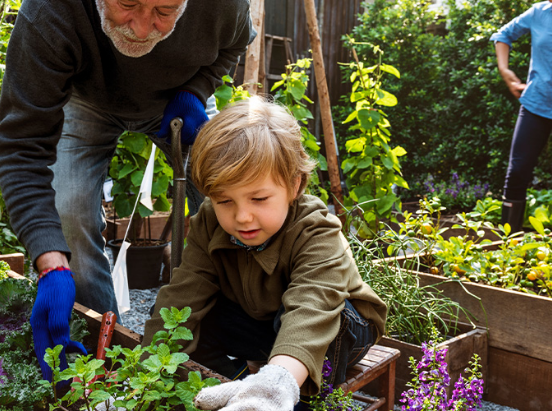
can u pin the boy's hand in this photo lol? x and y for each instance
(273, 388)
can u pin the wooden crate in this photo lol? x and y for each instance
(16, 262)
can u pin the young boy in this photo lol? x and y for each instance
(266, 271)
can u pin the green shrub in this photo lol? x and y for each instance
(454, 114)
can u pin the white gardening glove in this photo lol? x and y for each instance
(273, 388)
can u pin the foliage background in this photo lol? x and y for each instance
(454, 114)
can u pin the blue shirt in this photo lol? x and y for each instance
(537, 96)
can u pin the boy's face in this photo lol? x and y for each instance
(253, 212)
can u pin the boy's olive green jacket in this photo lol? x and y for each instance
(307, 266)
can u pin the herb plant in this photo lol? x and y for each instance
(132, 382)
(330, 398)
(428, 387)
(413, 311)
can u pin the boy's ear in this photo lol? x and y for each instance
(297, 185)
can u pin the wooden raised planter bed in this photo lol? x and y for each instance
(460, 351)
(520, 339)
(16, 262)
(123, 336)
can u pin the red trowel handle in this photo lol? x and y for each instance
(109, 320)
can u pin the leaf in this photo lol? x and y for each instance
(399, 151)
(365, 162)
(356, 145)
(386, 99)
(390, 69)
(127, 169)
(350, 117)
(99, 395)
(135, 142)
(368, 118)
(537, 225)
(385, 203)
(297, 89)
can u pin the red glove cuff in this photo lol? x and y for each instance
(49, 270)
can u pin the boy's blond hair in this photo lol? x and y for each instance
(246, 141)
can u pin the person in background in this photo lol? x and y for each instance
(267, 272)
(78, 74)
(534, 122)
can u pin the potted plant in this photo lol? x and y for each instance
(145, 255)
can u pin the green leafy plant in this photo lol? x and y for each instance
(127, 171)
(487, 209)
(539, 206)
(291, 92)
(455, 112)
(20, 375)
(372, 167)
(132, 382)
(330, 398)
(8, 240)
(228, 93)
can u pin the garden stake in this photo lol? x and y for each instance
(179, 200)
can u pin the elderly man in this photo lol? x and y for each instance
(78, 74)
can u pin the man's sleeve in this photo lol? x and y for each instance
(208, 78)
(35, 88)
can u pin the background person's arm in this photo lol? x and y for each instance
(513, 83)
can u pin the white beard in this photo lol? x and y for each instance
(120, 35)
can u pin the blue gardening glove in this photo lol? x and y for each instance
(188, 107)
(273, 388)
(51, 315)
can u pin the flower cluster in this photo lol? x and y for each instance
(457, 194)
(428, 389)
(329, 398)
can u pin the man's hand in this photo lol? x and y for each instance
(188, 107)
(513, 82)
(51, 315)
(273, 388)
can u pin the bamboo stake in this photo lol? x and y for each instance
(253, 53)
(325, 108)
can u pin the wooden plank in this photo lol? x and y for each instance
(253, 53)
(519, 381)
(16, 262)
(517, 322)
(325, 108)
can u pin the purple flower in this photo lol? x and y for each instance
(326, 369)
(428, 387)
